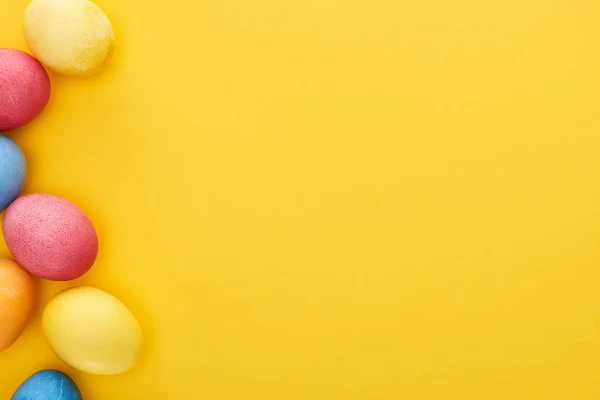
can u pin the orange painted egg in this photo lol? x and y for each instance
(17, 294)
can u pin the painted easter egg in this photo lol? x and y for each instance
(12, 170)
(17, 297)
(48, 385)
(50, 237)
(71, 37)
(92, 331)
(24, 89)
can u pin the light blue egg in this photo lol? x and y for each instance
(12, 171)
(47, 385)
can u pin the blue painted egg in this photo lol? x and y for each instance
(12, 171)
(47, 385)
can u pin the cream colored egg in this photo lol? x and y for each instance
(92, 331)
(71, 37)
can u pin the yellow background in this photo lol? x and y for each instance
(336, 199)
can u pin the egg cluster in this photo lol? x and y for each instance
(48, 236)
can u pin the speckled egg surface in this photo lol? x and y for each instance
(71, 37)
(12, 171)
(50, 237)
(48, 385)
(17, 298)
(24, 89)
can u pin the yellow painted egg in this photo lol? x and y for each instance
(17, 296)
(71, 37)
(92, 331)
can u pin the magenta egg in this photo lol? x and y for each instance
(24, 89)
(50, 237)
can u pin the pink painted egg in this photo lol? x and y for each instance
(50, 237)
(24, 89)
